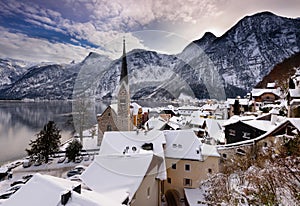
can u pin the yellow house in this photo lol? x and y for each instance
(188, 162)
(129, 168)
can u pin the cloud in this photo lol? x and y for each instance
(20, 46)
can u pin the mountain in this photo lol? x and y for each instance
(249, 50)
(210, 67)
(281, 72)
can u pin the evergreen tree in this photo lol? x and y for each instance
(73, 149)
(236, 107)
(47, 142)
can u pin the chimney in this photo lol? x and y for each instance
(65, 196)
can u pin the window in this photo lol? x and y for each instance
(108, 128)
(240, 151)
(187, 182)
(148, 192)
(265, 144)
(209, 170)
(179, 146)
(224, 156)
(174, 145)
(108, 114)
(174, 166)
(231, 132)
(246, 135)
(187, 167)
(169, 180)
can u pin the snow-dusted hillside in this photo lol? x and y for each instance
(207, 68)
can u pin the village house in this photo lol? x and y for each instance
(132, 166)
(188, 162)
(243, 103)
(240, 129)
(253, 148)
(266, 95)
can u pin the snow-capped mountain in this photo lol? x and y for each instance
(211, 67)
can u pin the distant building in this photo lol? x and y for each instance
(266, 95)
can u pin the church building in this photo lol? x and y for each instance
(116, 117)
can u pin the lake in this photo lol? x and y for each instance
(21, 121)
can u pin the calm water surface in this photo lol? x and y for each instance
(21, 121)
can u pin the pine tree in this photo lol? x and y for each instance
(73, 149)
(47, 142)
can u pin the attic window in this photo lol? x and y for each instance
(179, 146)
(174, 166)
(108, 114)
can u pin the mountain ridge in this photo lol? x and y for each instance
(210, 67)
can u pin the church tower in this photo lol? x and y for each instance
(123, 116)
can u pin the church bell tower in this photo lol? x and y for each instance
(123, 116)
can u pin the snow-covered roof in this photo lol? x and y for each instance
(116, 142)
(194, 196)
(3, 169)
(196, 118)
(259, 92)
(295, 93)
(295, 122)
(209, 150)
(184, 144)
(235, 118)
(214, 130)
(47, 190)
(271, 85)
(135, 108)
(117, 176)
(189, 107)
(231, 101)
(210, 107)
(114, 107)
(156, 123)
(262, 125)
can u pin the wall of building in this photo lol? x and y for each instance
(240, 132)
(199, 170)
(107, 121)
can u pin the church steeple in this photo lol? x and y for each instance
(123, 116)
(124, 72)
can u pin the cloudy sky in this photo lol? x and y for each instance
(66, 30)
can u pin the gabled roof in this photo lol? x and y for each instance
(117, 176)
(259, 92)
(46, 190)
(184, 144)
(116, 142)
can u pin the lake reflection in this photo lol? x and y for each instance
(21, 121)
